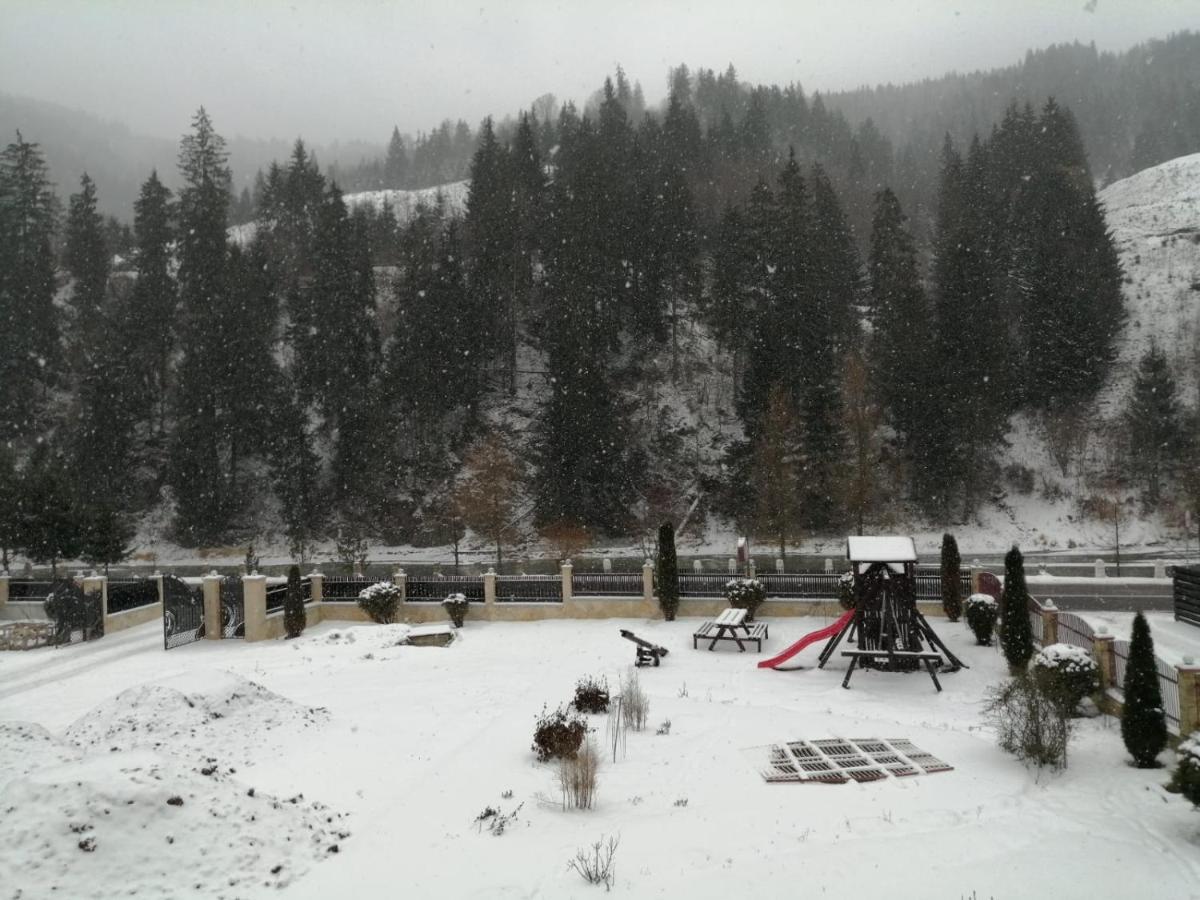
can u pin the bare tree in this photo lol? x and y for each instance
(774, 472)
(486, 497)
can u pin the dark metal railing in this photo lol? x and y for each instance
(692, 585)
(606, 584)
(1036, 623)
(276, 595)
(528, 589)
(342, 588)
(29, 591)
(126, 595)
(436, 588)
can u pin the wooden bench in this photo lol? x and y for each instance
(731, 625)
(931, 661)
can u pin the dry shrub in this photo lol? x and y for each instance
(1030, 722)
(595, 864)
(635, 705)
(577, 776)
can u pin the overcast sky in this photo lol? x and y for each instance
(352, 68)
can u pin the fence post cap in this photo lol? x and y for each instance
(491, 571)
(647, 565)
(1189, 660)
(1049, 606)
(156, 574)
(1101, 629)
(316, 573)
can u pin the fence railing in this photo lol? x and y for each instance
(132, 594)
(276, 594)
(29, 591)
(342, 588)
(1168, 682)
(606, 584)
(528, 589)
(929, 585)
(436, 588)
(1036, 623)
(1075, 631)
(692, 585)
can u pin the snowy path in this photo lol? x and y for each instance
(417, 741)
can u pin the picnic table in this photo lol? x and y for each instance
(731, 625)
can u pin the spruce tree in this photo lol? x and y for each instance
(48, 513)
(294, 616)
(1143, 722)
(951, 576)
(10, 499)
(86, 257)
(395, 167)
(105, 534)
(152, 313)
(666, 573)
(1016, 632)
(1154, 421)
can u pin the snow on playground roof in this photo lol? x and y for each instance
(880, 549)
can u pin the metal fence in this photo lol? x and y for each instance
(131, 594)
(606, 584)
(29, 591)
(1036, 623)
(276, 594)
(800, 585)
(1168, 682)
(1075, 631)
(929, 585)
(346, 588)
(702, 585)
(436, 588)
(528, 589)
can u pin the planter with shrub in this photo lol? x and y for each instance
(745, 593)
(456, 606)
(1066, 673)
(379, 601)
(981, 611)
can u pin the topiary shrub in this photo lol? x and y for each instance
(558, 734)
(982, 610)
(1068, 673)
(1143, 721)
(666, 572)
(745, 593)
(72, 610)
(294, 617)
(1030, 723)
(1016, 633)
(591, 695)
(846, 590)
(951, 578)
(379, 601)
(456, 606)
(1186, 779)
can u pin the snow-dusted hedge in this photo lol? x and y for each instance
(981, 612)
(846, 590)
(379, 601)
(456, 605)
(745, 593)
(1186, 779)
(1069, 673)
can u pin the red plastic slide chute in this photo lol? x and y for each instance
(815, 636)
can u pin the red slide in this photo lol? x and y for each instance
(823, 633)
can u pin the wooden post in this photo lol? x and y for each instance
(566, 571)
(212, 606)
(1102, 649)
(1188, 674)
(254, 599)
(648, 581)
(1049, 623)
(489, 589)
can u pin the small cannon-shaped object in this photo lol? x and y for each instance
(648, 654)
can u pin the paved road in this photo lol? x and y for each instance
(1114, 594)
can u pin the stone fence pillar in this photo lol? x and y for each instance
(1099, 570)
(3, 591)
(212, 606)
(317, 580)
(489, 589)
(97, 584)
(648, 581)
(697, 566)
(400, 580)
(732, 566)
(254, 600)
(158, 584)
(1160, 569)
(567, 570)
(751, 572)
(828, 566)
(1188, 674)
(1102, 649)
(1049, 623)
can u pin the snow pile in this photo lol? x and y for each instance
(26, 747)
(371, 637)
(192, 715)
(1065, 658)
(142, 824)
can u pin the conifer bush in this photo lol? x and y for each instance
(558, 734)
(294, 617)
(1144, 721)
(1186, 779)
(745, 593)
(982, 610)
(846, 591)
(379, 601)
(666, 575)
(456, 606)
(591, 695)
(951, 572)
(1067, 673)
(1016, 634)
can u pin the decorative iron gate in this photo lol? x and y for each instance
(183, 612)
(233, 608)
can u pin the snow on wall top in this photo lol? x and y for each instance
(880, 549)
(1154, 216)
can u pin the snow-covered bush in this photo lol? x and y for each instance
(591, 695)
(379, 601)
(1069, 673)
(72, 610)
(981, 610)
(846, 590)
(456, 606)
(557, 734)
(745, 593)
(1186, 779)
(1030, 722)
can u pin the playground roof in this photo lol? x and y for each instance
(897, 549)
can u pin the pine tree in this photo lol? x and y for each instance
(1154, 421)
(48, 513)
(10, 499)
(152, 314)
(296, 472)
(395, 167)
(29, 340)
(1016, 633)
(295, 618)
(951, 577)
(666, 573)
(86, 257)
(774, 477)
(862, 418)
(104, 535)
(1143, 722)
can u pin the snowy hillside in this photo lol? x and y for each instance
(404, 204)
(1155, 219)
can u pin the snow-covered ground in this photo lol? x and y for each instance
(397, 749)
